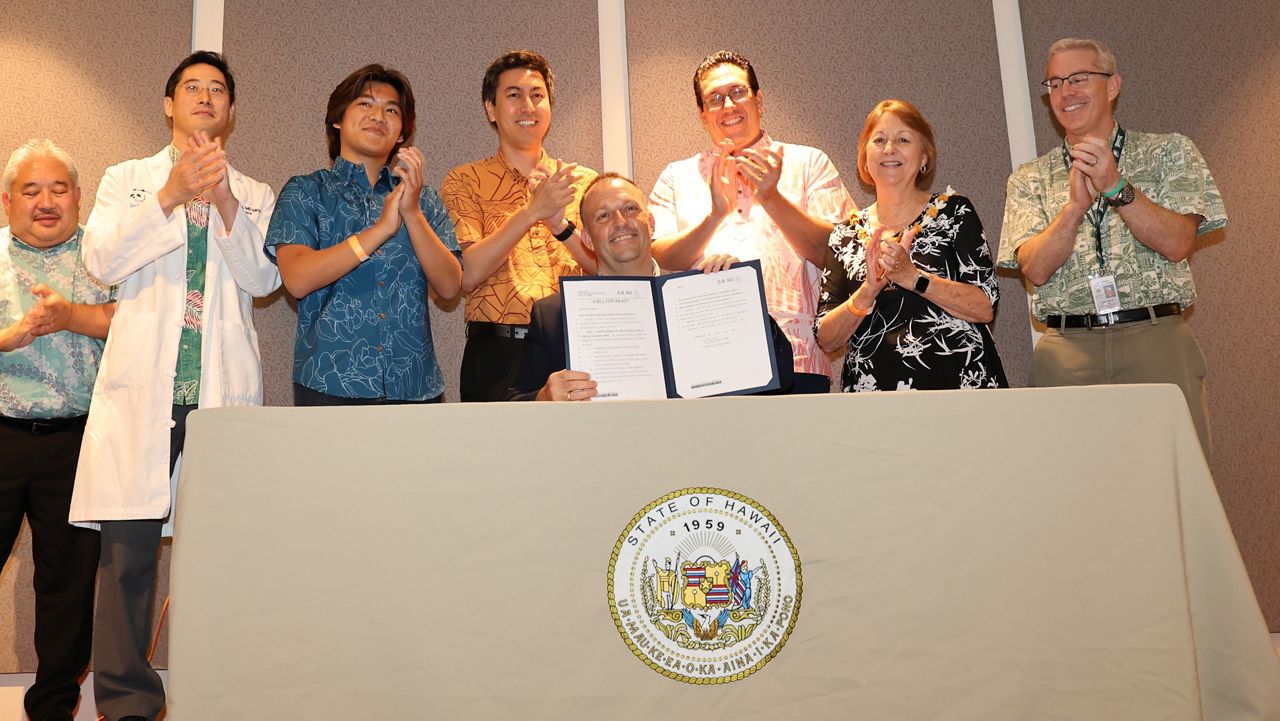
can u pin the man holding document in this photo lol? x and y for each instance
(621, 340)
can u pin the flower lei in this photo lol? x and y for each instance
(931, 212)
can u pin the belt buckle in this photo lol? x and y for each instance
(1105, 319)
(42, 428)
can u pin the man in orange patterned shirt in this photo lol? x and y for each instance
(517, 222)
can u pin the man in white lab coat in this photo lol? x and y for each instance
(182, 234)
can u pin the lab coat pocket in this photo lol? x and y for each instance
(241, 363)
(132, 352)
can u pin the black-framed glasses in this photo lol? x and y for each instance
(738, 94)
(1075, 80)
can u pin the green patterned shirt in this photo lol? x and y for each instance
(186, 383)
(1168, 169)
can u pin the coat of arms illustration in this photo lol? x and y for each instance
(705, 585)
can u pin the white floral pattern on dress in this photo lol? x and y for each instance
(907, 342)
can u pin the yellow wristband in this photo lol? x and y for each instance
(854, 311)
(354, 242)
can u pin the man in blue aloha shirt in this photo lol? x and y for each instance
(359, 244)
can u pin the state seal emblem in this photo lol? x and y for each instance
(704, 586)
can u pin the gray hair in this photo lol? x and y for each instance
(34, 148)
(1106, 58)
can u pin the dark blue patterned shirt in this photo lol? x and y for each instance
(368, 334)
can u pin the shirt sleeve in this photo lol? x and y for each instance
(294, 221)
(1187, 186)
(835, 279)
(437, 216)
(662, 205)
(825, 194)
(972, 255)
(1024, 214)
(463, 206)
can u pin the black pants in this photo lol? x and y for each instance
(489, 366)
(124, 684)
(810, 383)
(304, 396)
(36, 476)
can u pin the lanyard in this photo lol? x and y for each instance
(1098, 210)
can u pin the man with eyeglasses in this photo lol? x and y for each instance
(1102, 226)
(182, 235)
(752, 197)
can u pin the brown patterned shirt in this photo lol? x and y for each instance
(480, 197)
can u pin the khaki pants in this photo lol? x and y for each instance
(1156, 351)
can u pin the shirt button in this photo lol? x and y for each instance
(382, 316)
(185, 347)
(380, 284)
(378, 251)
(378, 347)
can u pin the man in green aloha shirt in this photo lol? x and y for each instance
(1102, 226)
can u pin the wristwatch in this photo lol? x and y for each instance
(564, 234)
(1123, 198)
(922, 283)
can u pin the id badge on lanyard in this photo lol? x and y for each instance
(1102, 284)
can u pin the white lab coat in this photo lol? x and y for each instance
(123, 473)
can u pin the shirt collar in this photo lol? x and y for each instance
(355, 173)
(63, 247)
(543, 160)
(654, 270)
(1111, 139)
(764, 142)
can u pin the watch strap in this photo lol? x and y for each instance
(566, 232)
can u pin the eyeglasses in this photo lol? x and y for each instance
(737, 94)
(1075, 80)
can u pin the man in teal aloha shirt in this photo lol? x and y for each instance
(53, 317)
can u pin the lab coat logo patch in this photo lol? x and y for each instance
(704, 586)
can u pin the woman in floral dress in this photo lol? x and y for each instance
(918, 318)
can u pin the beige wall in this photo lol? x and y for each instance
(87, 78)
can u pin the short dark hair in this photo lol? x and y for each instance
(509, 61)
(352, 87)
(598, 179)
(723, 57)
(202, 57)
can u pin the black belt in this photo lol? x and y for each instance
(43, 426)
(1090, 320)
(502, 330)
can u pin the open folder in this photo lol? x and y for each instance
(684, 335)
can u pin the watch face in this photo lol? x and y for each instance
(922, 283)
(1124, 197)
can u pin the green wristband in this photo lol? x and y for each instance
(1116, 190)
